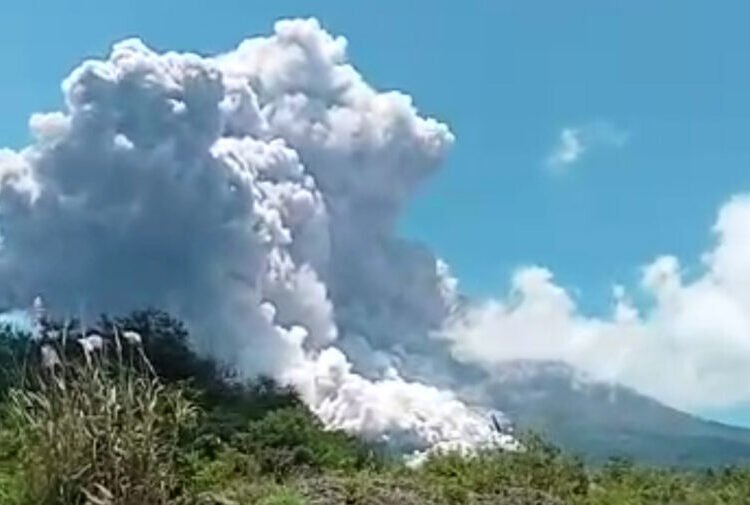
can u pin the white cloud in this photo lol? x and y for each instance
(569, 148)
(575, 142)
(690, 348)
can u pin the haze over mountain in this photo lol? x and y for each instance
(599, 421)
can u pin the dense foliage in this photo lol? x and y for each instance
(150, 422)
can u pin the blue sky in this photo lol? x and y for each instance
(669, 79)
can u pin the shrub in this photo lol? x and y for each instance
(540, 466)
(99, 434)
(283, 496)
(14, 347)
(293, 440)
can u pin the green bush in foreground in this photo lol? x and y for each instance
(283, 496)
(540, 466)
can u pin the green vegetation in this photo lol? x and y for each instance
(152, 423)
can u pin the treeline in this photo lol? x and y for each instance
(126, 413)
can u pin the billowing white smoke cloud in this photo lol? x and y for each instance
(689, 348)
(253, 194)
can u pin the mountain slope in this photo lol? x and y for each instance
(599, 420)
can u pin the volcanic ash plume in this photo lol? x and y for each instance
(253, 194)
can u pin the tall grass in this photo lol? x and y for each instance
(101, 433)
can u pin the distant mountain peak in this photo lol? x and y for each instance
(600, 420)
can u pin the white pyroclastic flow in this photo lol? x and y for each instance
(253, 194)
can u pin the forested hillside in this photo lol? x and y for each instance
(126, 413)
